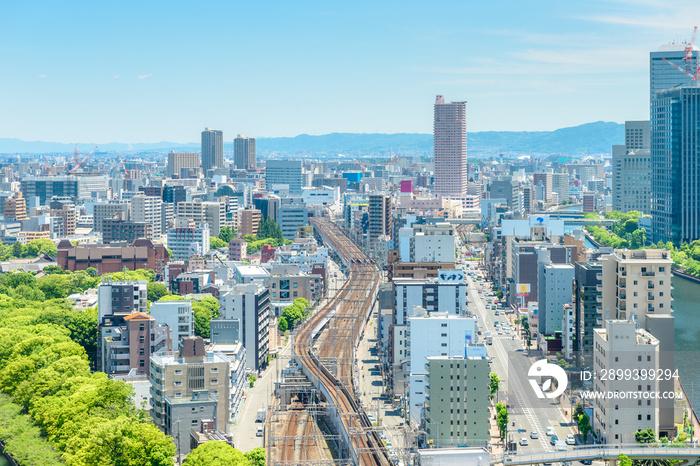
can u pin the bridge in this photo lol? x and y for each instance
(635, 451)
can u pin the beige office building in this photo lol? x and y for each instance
(179, 160)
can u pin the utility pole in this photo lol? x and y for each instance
(179, 458)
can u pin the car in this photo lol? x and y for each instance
(493, 307)
(550, 431)
(260, 431)
(570, 440)
(500, 332)
(586, 461)
(479, 291)
(496, 313)
(524, 442)
(534, 435)
(554, 439)
(478, 332)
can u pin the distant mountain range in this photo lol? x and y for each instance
(594, 138)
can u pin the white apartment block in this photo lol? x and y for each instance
(212, 213)
(177, 316)
(185, 242)
(439, 334)
(250, 305)
(622, 346)
(429, 293)
(147, 209)
(427, 243)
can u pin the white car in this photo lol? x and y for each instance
(570, 440)
(524, 442)
(550, 431)
(534, 435)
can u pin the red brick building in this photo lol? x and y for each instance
(141, 254)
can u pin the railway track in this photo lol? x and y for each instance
(353, 301)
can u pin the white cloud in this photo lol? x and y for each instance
(144, 76)
(41, 76)
(116, 76)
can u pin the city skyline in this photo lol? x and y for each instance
(137, 73)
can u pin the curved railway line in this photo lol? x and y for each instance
(335, 347)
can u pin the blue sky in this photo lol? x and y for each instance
(134, 71)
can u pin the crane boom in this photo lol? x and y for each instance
(694, 77)
(82, 161)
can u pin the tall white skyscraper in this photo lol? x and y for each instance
(212, 149)
(450, 148)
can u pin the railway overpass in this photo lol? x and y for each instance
(635, 451)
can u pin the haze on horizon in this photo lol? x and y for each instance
(162, 71)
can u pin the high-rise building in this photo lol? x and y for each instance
(179, 160)
(560, 185)
(457, 410)
(147, 209)
(587, 279)
(185, 240)
(620, 345)
(505, 187)
(283, 172)
(544, 180)
(117, 229)
(450, 148)
(244, 153)
(211, 212)
(177, 316)
(16, 207)
(212, 149)
(380, 216)
(662, 75)
(554, 283)
(250, 305)
(675, 165)
(631, 166)
(250, 221)
(292, 214)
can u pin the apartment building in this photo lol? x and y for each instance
(458, 399)
(186, 241)
(250, 305)
(189, 387)
(620, 345)
(117, 229)
(212, 213)
(147, 209)
(178, 317)
(249, 221)
(432, 294)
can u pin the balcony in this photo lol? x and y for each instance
(623, 296)
(648, 274)
(599, 310)
(599, 276)
(650, 297)
(599, 298)
(622, 308)
(623, 273)
(599, 288)
(622, 284)
(651, 309)
(650, 285)
(599, 322)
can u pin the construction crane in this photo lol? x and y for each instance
(689, 47)
(80, 162)
(126, 173)
(693, 77)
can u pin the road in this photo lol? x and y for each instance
(511, 365)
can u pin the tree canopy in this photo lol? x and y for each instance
(216, 453)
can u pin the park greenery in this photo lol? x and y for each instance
(293, 315)
(625, 233)
(217, 453)
(29, 250)
(53, 408)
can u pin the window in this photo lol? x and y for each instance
(142, 339)
(214, 381)
(178, 383)
(214, 370)
(142, 363)
(295, 294)
(661, 269)
(142, 351)
(616, 422)
(141, 327)
(296, 285)
(274, 285)
(648, 358)
(639, 358)
(178, 395)
(639, 417)
(194, 421)
(178, 372)
(648, 417)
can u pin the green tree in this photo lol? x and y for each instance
(645, 436)
(226, 234)
(293, 314)
(51, 269)
(502, 419)
(494, 384)
(256, 456)
(17, 249)
(623, 460)
(92, 272)
(216, 243)
(216, 453)
(282, 325)
(584, 426)
(156, 291)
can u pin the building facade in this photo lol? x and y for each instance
(179, 160)
(244, 153)
(450, 148)
(250, 305)
(212, 149)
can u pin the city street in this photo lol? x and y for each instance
(511, 365)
